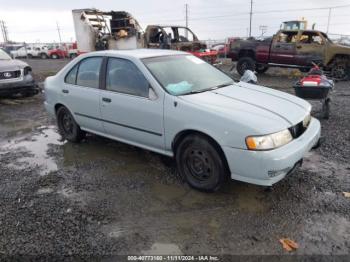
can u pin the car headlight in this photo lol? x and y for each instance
(307, 120)
(269, 142)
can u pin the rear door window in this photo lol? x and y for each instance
(71, 77)
(89, 72)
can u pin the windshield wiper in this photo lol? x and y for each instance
(209, 89)
(222, 85)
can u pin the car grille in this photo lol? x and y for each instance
(10, 74)
(297, 130)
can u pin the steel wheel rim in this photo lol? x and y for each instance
(339, 72)
(67, 123)
(198, 164)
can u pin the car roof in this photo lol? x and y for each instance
(143, 53)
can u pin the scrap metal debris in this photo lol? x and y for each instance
(289, 244)
(346, 194)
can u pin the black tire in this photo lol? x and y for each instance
(29, 94)
(200, 163)
(44, 56)
(67, 126)
(29, 56)
(245, 63)
(326, 109)
(261, 68)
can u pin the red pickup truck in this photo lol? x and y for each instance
(292, 49)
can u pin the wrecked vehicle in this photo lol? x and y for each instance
(118, 30)
(292, 49)
(177, 38)
(176, 104)
(15, 77)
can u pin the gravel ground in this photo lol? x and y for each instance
(104, 198)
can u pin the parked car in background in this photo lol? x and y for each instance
(56, 53)
(30, 51)
(176, 104)
(16, 77)
(11, 47)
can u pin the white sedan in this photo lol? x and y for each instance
(175, 104)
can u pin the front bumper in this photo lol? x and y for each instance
(24, 84)
(268, 167)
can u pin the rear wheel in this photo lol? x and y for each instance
(245, 63)
(200, 163)
(261, 68)
(44, 56)
(340, 69)
(67, 126)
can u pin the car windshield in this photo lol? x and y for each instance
(4, 55)
(186, 74)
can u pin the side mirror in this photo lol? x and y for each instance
(151, 94)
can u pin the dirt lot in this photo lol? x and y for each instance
(102, 197)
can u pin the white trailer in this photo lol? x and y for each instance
(97, 30)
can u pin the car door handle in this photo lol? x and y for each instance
(107, 100)
(65, 91)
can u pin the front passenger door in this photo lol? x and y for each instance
(130, 109)
(283, 48)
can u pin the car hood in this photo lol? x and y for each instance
(12, 65)
(268, 110)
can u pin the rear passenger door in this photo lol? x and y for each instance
(131, 110)
(81, 93)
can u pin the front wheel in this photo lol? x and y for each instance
(67, 126)
(200, 163)
(245, 63)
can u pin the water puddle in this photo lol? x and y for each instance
(163, 249)
(34, 151)
(69, 193)
(44, 190)
(314, 162)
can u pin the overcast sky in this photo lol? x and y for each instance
(34, 21)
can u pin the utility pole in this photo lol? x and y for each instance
(186, 14)
(59, 32)
(186, 18)
(329, 19)
(250, 18)
(4, 31)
